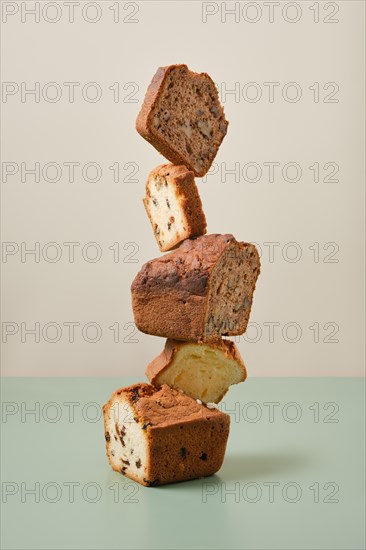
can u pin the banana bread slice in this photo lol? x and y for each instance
(162, 436)
(199, 291)
(182, 117)
(202, 371)
(173, 205)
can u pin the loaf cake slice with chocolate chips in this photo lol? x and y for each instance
(198, 292)
(202, 371)
(182, 117)
(162, 436)
(173, 205)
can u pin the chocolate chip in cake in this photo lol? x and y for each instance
(107, 436)
(125, 461)
(247, 302)
(121, 432)
(138, 463)
(183, 452)
(152, 483)
(146, 425)
(135, 395)
(203, 456)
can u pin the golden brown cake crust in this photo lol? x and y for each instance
(183, 180)
(164, 145)
(185, 439)
(171, 294)
(165, 406)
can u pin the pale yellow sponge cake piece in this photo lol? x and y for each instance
(204, 371)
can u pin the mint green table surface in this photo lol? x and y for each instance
(293, 477)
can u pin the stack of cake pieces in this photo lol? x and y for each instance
(171, 430)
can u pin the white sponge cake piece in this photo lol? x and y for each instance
(157, 436)
(173, 205)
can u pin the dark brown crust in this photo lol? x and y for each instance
(186, 187)
(163, 361)
(143, 122)
(170, 294)
(204, 442)
(148, 104)
(186, 439)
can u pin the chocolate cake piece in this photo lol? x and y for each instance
(199, 291)
(182, 117)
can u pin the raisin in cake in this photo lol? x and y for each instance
(202, 371)
(182, 117)
(162, 436)
(173, 205)
(200, 291)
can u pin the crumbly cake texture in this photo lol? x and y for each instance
(202, 371)
(198, 292)
(182, 117)
(162, 436)
(173, 205)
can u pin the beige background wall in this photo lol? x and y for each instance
(307, 318)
